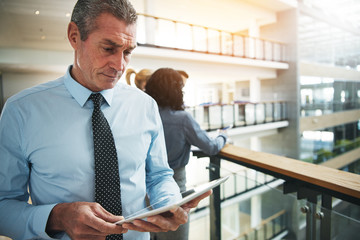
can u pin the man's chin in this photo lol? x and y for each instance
(110, 84)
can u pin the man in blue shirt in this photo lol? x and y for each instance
(46, 146)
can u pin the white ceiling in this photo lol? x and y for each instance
(329, 32)
(21, 28)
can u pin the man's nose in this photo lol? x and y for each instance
(118, 62)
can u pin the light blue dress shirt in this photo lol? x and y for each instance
(46, 148)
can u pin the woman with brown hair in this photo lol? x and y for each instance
(181, 131)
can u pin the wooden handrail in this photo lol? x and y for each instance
(334, 180)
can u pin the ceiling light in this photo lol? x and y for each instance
(37, 12)
(67, 15)
(43, 37)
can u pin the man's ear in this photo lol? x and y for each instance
(73, 35)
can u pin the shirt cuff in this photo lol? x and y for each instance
(40, 219)
(223, 136)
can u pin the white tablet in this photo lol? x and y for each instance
(188, 196)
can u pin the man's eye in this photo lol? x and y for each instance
(127, 53)
(109, 50)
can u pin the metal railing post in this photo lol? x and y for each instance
(325, 217)
(215, 201)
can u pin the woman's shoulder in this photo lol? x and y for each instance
(178, 116)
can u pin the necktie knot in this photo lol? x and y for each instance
(97, 99)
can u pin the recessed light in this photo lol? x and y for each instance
(37, 12)
(68, 15)
(43, 37)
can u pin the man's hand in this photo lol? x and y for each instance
(164, 223)
(83, 220)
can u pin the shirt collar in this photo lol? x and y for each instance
(80, 93)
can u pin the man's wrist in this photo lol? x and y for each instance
(53, 225)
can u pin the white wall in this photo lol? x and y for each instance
(14, 82)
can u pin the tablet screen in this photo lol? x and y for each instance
(187, 196)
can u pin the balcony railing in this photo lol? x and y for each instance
(318, 190)
(239, 114)
(316, 109)
(166, 33)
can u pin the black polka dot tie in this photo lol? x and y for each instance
(107, 180)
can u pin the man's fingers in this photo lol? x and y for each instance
(193, 203)
(103, 221)
(143, 226)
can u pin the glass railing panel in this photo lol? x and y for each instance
(259, 49)
(227, 115)
(165, 33)
(257, 214)
(284, 110)
(249, 47)
(260, 113)
(269, 112)
(250, 114)
(199, 227)
(211, 117)
(316, 222)
(200, 39)
(239, 46)
(258, 209)
(268, 51)
(169, 33)
(184, 38)
(277, 52)
(239, 115)
(343, 226)
(215, 119)
(214, 41)
(202, 116)
(150, 25)
(226, 43)
(198, 113)
(141, 30)
(277, 111)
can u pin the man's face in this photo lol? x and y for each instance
(101, 59)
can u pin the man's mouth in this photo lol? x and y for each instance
(115, 75)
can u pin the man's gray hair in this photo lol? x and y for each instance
(86, 12)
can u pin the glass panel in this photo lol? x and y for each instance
(214, 41)
(201, 117)
(200, 39)
(259, 48)
(184, 36)
(151, 29)
(260, 113)
(249, 47)
(166, 35)
(250, 114)
(239, 46)
(254, 207)
(226, 43)
(228, 115)
(277, 51)
(215, 116)
(239, 114)
(269, 112)
(277, 111)
(268, 50)
(344, 225)
(256, 212)
(141, 30)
